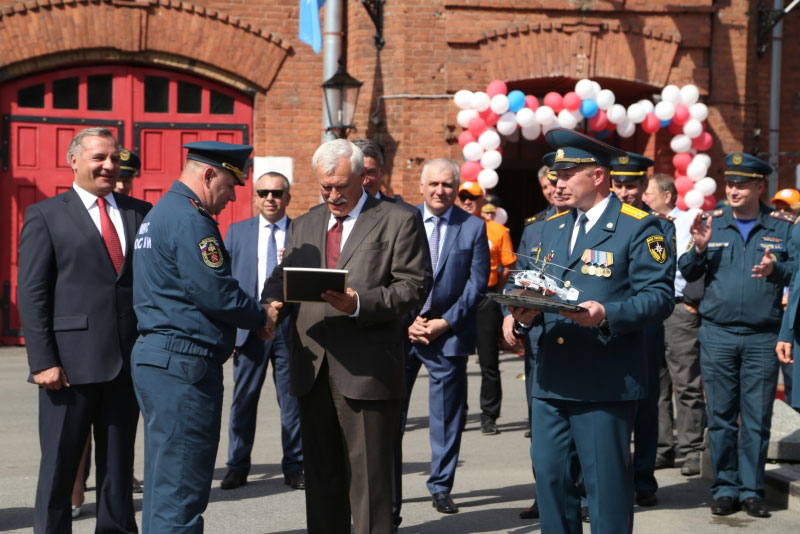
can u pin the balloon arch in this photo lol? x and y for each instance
(496, 113)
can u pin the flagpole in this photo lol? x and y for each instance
(331, 52)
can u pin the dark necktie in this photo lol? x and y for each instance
(433, 243)
(272, 249)
(334, 242)
(110, 236)
(581, 231)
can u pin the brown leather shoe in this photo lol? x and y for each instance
(296, 480)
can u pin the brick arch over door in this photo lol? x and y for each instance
(160, 32)
(575, 49)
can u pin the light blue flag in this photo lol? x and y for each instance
(310, 32)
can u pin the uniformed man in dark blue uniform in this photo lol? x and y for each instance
(188, 306)
(129, 165)
(589, 371)
(629, 178)
(743, 251)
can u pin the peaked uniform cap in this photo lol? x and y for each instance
(741, 167)
(575, 148)
(129, 163)
(229, 156)
(631, 166)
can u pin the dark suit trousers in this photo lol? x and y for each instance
(645, 426)
(347, 449)
(249, 371)
(65, 418)
(489, 322)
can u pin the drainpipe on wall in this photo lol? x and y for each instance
(775, 100)
(331, 52)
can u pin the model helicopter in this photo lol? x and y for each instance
(537, 280)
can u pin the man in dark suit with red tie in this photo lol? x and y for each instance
(75, 302)
(347, 352)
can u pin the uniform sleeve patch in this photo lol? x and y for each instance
(655, 244)
(211, 252)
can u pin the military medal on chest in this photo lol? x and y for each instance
(597, 263)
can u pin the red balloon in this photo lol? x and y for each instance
(709, 202)
(531, 102)
(681, 203)
(651, 123)
(681, 115)
(497, 87)
(610, 126)
(681, 161)
(466, 137)
(684, 185)
(555, 101)
(703, 141)
(599, 121)
(675, 129)
(500, 150)
(476, 126)
(572, 101)
(492, 118)
(470, 170)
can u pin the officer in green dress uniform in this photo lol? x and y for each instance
(743, 250)
(590, 369)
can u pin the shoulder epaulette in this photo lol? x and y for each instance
(530, 220)
(636, 213)
(783, 216)
(714, 213)
(200, 208)
(655, 213)
(557, 215)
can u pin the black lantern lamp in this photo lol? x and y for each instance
(341, 94)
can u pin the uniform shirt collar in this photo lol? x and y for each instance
(594, 212)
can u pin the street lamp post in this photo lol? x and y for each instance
(341, 94)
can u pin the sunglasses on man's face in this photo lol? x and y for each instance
(263, 193)
(467, 196)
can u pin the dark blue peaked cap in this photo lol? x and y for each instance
(741, 167)
(631, 166)
(129, 163)
(575, 148)
(229, 156)
(549, 159)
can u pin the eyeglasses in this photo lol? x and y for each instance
(263, 193)
(467, 196)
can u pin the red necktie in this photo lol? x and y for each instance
(333, 243)
(110, 236)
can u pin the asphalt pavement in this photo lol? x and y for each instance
(493, 481)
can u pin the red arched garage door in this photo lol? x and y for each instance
(152, 112)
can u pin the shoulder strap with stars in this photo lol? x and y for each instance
(783, 216)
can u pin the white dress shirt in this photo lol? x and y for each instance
(263, 241)
(90, 203)
(683, 223)
(427, 218)
(593, 215)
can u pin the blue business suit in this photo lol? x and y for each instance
(250, 364)
(587, 379)
(459, 282)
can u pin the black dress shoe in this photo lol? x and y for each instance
(489, 428)
(528, 433)
(755, 507)
(296, 480)
(585, 514)
(646, 498)
(724, 506)
(530, 513)
(233, 480)
(444, 504)
(664, 462)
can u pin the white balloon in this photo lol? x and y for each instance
(595, 89)
(605, 99)
(547, 127)
(489, 139)
(671, 94)
(526, 117)
(693, 128)
(689, 94)
(488, 178)
(545, 115)
(698, 111)
(617, 114)
(507, 123)
(491, 159)
(626, 129)
(646, 105)
(472, 151)
(693, 198)
(577, 114)
(665, 110)
(584, 88)
(696, 171)
(463, 99)
(500, 216)
(531, 132)
(464, 116)
(499, 104)
(704, 159)
(567, 119)
(636, 113)
(707, 186)
(680, 143)
(480, 101)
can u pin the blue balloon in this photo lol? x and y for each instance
(516, 100)
(602, 134)
(588, 108)
(665, 122)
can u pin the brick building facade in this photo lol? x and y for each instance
(433, 48)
